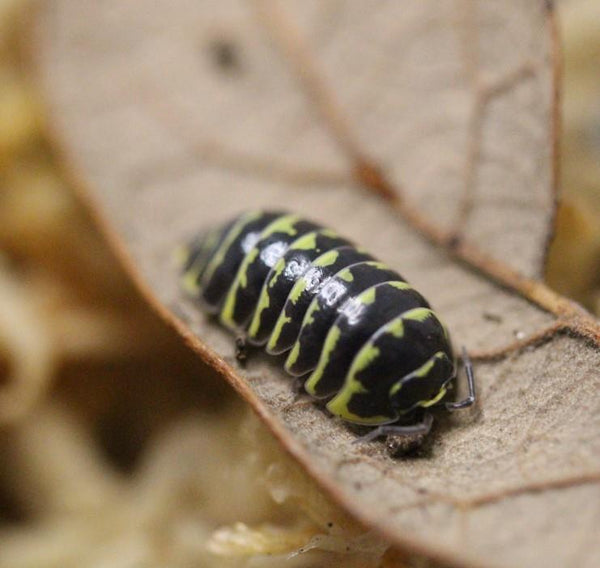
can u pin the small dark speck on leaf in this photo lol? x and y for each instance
(225, 55)
(489, 316)
(454, 241)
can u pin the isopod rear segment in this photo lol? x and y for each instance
(361, 337)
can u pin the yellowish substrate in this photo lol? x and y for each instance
(207, 492)
(574, 261)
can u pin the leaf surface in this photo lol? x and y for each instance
(177, 115)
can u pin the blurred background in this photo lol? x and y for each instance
(574, 260)
(101, 406)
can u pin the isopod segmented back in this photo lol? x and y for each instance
(362, 337)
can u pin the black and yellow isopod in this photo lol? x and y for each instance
(358, 334)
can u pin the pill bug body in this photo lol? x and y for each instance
(366, 341)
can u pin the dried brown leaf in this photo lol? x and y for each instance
(178, 114)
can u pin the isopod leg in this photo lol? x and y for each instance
(241, 349)
(420, 429)
(471, 397)
(298, 386)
